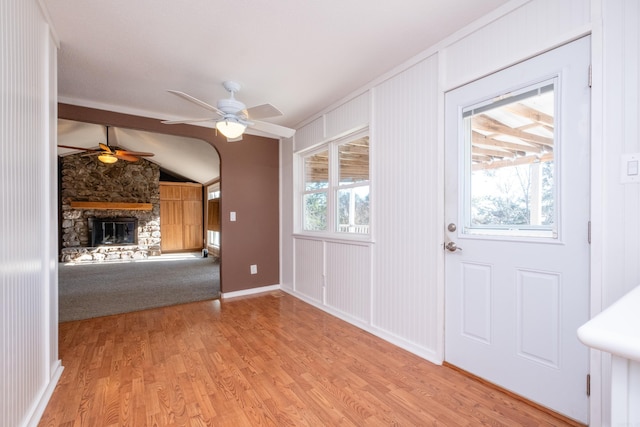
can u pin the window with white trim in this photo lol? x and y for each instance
(336, 187)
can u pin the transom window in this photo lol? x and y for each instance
(335, 195)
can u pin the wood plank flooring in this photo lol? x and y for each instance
(266, 360)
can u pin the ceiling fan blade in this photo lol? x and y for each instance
(196, 101)
(176, 122)
(76, 148)
(133, 153)
(262, 111)
(127, 157)
(105, 148)
(273, 129)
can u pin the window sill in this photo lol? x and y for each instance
(360, 240)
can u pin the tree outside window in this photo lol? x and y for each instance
(336, 179)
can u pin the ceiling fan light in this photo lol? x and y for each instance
(231, 128)
(107, 158)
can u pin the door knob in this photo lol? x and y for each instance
(452, 247)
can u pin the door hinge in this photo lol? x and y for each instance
(588, 385)
(590, 75)
(589, 232)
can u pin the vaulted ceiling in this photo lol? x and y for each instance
(301, 56)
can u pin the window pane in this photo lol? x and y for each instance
(511, 144)
(315, 211)
(354, 161)
(353, 210)
(316, 171)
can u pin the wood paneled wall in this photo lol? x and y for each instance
(181, 217)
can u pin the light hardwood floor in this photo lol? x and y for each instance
(267, 360)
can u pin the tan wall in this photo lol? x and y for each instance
(249, 172)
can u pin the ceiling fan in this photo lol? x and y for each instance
(233, 117)
(109, 154)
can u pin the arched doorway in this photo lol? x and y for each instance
(107, 277)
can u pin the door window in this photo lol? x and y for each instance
(510, 168)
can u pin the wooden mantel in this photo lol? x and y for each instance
(112, 205)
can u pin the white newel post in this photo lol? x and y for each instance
(617, 331)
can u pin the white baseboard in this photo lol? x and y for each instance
(244, 292)
(46, 396)
(401, 342)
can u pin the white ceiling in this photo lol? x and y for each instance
(301, 56)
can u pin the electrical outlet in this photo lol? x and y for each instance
(254, 269)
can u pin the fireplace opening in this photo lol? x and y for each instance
(114, 231)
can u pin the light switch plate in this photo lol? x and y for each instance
(232, 216)
(630, 168)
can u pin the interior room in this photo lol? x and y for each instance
(117, 242)
(426, 211)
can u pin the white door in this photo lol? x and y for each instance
(516, 227)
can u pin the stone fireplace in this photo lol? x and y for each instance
(109, 211)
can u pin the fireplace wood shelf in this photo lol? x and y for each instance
(112, 205)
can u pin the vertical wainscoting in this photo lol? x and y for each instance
(407, 249)
(348, 115)
(309, 135)
(532, 28)
(27, 228)
(348, 287)
(621, 109)
(287, 214)
(309, 269)
(389, 285)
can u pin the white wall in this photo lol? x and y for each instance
(28, 186)
(616, 252)
(405, 203)
(405, 289)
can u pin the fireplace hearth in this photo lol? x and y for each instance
(113, 231)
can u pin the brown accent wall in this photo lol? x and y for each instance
(249, 174)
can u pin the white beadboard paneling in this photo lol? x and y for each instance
(349, 279)
(27, 227)
(287, 210)
(405, 164)
(530, 29)
(616, 205)
(51, 172)
(348, 117)
(621, 247)
(309, 135)
(309, 268)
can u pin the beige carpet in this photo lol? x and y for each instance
(94, 290)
